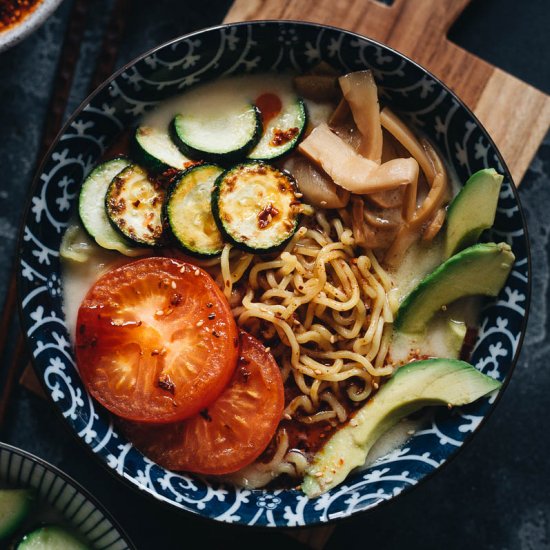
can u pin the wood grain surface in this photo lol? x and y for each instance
(516, 115)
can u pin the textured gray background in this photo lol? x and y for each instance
(496, 494)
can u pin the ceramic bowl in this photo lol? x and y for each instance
(72, 503)
(419, 97)
(29, 24)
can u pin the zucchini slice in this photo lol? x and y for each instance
(134, 206)
(218, 134)
(50, 537)
(188, 211)
(15, 506)
(91, 206)
(256, 206)
(154, 148)
(282, 129)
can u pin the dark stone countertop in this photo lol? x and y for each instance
(495, 495)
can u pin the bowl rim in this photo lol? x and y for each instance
(36, 180)
(72, 482)
(31, 22)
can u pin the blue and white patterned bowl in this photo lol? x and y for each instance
(425, 102)
(79, 510)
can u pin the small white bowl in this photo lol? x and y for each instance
(30, 23)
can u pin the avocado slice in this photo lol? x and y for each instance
(443, 338)
(416, 385)
(481, 269)
(472, 210)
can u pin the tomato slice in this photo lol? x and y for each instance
(229, 434)
(156, 340)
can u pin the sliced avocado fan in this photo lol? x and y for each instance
(416, 385)
(472, 210)
(481, 269)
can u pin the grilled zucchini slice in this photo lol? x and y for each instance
(91, 207)
(188, 211)
(222, 133)
(154, 148)
(282, 129)
(134, 206)
(256, 206)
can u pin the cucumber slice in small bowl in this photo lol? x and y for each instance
(283, 131)
(220, 134)
(15, 506)
(50, 537)
(188, 211)
(256, 206)
(134, 206)
(91, 208)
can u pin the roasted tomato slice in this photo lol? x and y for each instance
(229, 434)
(156, 340)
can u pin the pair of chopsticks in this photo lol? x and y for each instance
(65, 72)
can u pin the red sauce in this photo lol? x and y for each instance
(269, 106)
(307, 438)
(120, 147)
(266, 216)
(13, 12)
(469, 343)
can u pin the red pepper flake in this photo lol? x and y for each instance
(176, 299)
(245, 374)
(164, 179)
(117, 206)
(280, 137)
(266, 215)
(13, 12)
(215, 334)
(209, 305)
(165, 383)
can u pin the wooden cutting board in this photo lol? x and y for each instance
(516, 115)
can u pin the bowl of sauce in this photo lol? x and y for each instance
(19, 18)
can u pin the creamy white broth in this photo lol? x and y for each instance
(79, 277)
